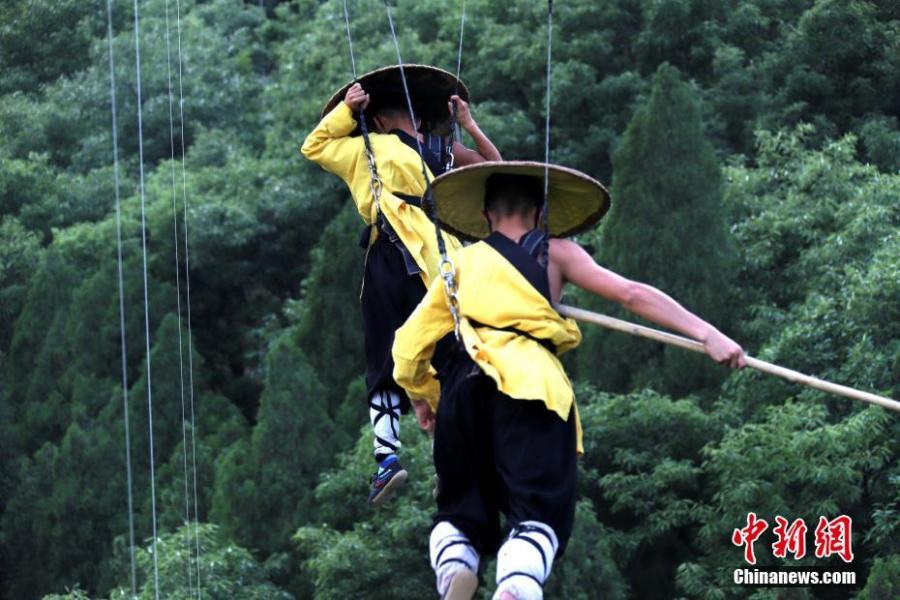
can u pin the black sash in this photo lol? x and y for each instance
(523, 261)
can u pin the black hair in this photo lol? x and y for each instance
(510, 195)
(389, 104)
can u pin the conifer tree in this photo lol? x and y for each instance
(264, 484)
(667, 228)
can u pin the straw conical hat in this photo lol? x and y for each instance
(576, 201)
(429, 87)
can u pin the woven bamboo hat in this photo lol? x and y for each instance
(575, 201)
(429, 87)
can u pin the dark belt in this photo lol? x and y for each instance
(385, 229)
(545, 343)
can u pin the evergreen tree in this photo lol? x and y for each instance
(264, 485)
(330, 294)
(667, 228)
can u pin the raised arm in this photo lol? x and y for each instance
(484, 148)
(330, 145)
(576, 266)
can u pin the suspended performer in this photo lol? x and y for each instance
(506, 429)
(402, 254)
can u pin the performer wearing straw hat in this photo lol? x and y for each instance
(384, 172)
(506, 429)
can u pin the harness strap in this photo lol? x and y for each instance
(532, 241)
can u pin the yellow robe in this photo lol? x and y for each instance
(400, 169)
(492, 292)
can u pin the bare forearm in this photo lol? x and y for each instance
(660, 308)
(483, 145)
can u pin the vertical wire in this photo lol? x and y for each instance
(187, 287)
(545, 246)
(427, 198)
(462, 27)
(137, 60)
(409, 106)
(350, 40)
(187, 507)
(547, 99)
(454, 127)
(125, 416)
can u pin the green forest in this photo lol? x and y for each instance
(752, 151)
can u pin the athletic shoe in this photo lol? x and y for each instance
(389, 477)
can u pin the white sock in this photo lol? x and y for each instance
(525, 559)
(384, 412)
(451, 551)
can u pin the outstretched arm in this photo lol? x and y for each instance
(577, 266)
(485, 149)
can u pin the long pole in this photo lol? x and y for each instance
(587, 316)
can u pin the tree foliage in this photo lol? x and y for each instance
(752, 147)
(666, 226)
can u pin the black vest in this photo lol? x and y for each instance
(524, 257)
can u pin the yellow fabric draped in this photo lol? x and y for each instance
(493, 293)
(400, 169)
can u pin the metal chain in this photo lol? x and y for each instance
(451, 137)
(448, 274)
(375, 183)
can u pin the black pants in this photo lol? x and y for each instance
(495, 454)
(389, 296)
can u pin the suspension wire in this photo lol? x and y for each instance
(545, 245)
(462, 27)
(412, 118)
(447, 268)
(454, 129)
(125, 416)
(137, 60)
(375, 183)
(350, 40)
(187, 507)
(187, 285)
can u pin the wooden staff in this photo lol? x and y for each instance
(760, 365)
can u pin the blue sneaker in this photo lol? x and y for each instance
(387, 480)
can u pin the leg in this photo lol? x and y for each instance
(389, 295)
(525, 560)
(463, 456)
(536, 462)
(455, 562)
(386, 304)
(384, 412)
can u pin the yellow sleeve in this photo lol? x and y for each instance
(330, 145)
(414, 345)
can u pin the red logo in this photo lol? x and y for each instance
(749, 534)
(831, 537)
(790, 539)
